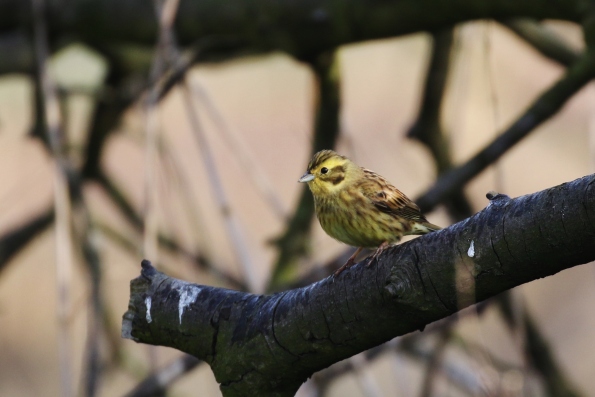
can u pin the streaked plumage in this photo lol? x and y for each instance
(359, 207)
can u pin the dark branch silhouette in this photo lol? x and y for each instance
(550, 102)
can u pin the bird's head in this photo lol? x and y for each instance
(329, 172)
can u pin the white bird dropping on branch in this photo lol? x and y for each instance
(148, 304)
(471, 250)
(188, 294)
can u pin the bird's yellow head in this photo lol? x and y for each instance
(329, 172)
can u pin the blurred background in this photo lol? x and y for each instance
(156, 152)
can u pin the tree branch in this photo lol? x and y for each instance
(157, 383)
(542, 109)
(15, 239)
(427, 128)
(269, 345)
(329, 23)
(544, 40)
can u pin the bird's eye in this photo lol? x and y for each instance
(323, 170)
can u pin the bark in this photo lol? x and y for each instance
(270, 344)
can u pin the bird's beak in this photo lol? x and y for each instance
(307, 177)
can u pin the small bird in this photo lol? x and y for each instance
(359, 207)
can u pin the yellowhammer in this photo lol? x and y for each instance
(359, 207)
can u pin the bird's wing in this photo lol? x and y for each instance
(388, 199)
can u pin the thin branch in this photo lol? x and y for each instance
(158, 382)
(49, 108)
(166, 14)
(205, 49)
(231, 221)
(118, 197)
(14, 240)
(182, 178)
(544, 40)
(412, 345)
(242, 154)
(538, 351)
(435, 362)
(70, 211)
(107, 113)
(428, 127)
(126, 208)
(85, 234)
(576, 77)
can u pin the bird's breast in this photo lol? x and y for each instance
(351, 219)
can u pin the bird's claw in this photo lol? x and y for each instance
(350, 262)
(376, 253)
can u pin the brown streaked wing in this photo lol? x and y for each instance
(388, 199)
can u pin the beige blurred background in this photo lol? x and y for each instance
(267, 103)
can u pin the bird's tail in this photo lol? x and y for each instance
(424, 228)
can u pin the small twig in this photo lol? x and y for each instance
(538, 351)
(158, 382)
(119, 198)
(166, 12)
(123, 204)
(459, 375)
(206, 47)
(55, 134)
(192, 212)
(435, 362)
(363, 377)
(232, 225)
(16, 239)
(241, 153)
(93, 262)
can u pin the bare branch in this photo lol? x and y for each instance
(268, 345)
(49, 113)
(544, 40)
(16, 239)
(157, 383)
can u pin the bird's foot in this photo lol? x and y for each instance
(378, 251)
(350, 262)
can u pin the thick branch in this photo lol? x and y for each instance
(303, 29)
(269, 345)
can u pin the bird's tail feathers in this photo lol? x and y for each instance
(424, 228)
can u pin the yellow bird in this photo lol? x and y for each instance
(359, 207)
